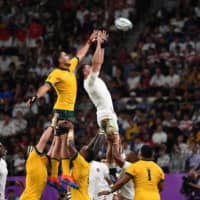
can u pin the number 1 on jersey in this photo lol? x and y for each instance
(149, 174)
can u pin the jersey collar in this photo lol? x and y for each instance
(64, 69)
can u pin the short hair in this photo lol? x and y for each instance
(56, 58)
(90, 155)
(146, 151)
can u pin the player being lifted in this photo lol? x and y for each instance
(100, 95)
(63, 80)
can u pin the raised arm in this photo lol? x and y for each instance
(83, 50)
(117, 156)
(98, 57)
(40, 93)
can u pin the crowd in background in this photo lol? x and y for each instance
(155, 87)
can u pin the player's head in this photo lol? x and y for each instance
(145, 152)
(2, 150)
(87, 153)
(131, 157)
(90, 151)
(62, 59)
(86, 69)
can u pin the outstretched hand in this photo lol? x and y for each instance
(93, 36)
(103, 35)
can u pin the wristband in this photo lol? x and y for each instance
(71, 134)
(33, 99)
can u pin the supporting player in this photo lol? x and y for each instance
(63, 80)
(147, 176)
(80, 164)
(36, 168)
(100, 95)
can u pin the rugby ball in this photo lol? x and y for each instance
(123, 24)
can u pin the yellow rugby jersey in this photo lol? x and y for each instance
(36, 176)
(80, 172)
(146, 176)
(65, 84)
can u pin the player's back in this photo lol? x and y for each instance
(146, 176)
(36, 176)
(99, 172)
(80, 172)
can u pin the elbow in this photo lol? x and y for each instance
(161, 186)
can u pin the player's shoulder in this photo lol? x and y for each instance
(75, 58)
(54, 71)
(155, 165)
(3, 162)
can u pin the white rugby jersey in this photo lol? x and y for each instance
(127, 190)
(3, 178)
(99, 95)
(97, 183)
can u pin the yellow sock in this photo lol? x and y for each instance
(54, 167)
(65, 167)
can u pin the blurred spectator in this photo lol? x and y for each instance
(158, 79)
(19, 164)
(133, 81)
(163, 159)
(20, 122)
(194, 158)
(159, 136)
(186, 124)
(177, 162)
(20, 106)
(172, 80)
(7, 126)
(4, 63)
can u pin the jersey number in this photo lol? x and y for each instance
(149, 174)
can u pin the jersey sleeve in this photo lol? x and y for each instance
(131, 170)
(79, 160)
(162, 175)
(74, 63)
(52, 78)
(92, 77)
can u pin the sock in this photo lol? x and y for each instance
(65, 167)
(54, 167)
